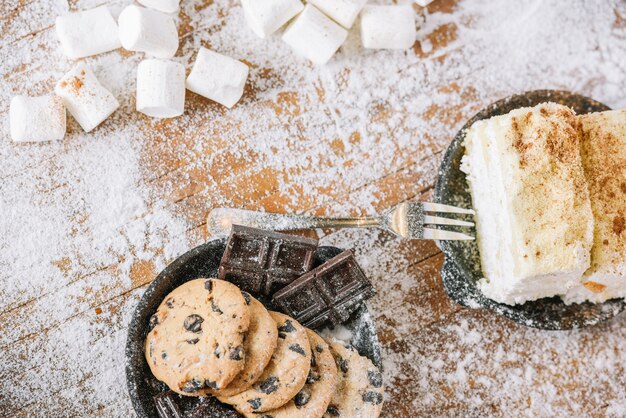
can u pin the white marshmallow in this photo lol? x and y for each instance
(87, 33)
(148, 31)
(165, 6)
(343, 12)
(218, 77)
(423, 3)
(388, 27)
(35, 119)
(160, 88)
(315, 36)
(85, 98)
(267, 16)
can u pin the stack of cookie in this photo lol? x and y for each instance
(210, 337)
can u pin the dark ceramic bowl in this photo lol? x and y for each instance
(203, 261)
(461, 269)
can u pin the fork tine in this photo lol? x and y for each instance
(440, 234)
(438, 207)
(438, 220)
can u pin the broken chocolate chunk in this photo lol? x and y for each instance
(375, 378)
(297, 348)
(236, 354)
(333, 411)
(193, 323)
(328, 293)
(192, 385)
(263, 261)
(302, 398)
(287, 327)
(372, 397)
(193, 341)
(255, 403)
(166, 405)
(210, 384)
(216, 308)
(270, 385)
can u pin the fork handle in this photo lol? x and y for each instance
(220, 220)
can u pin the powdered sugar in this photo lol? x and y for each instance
(94, 217)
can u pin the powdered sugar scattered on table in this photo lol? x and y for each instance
(87, 221)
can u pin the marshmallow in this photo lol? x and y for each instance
(160, 88)
(267, 16)
(314, 35)
(388, 27)
(85, 98)
(423, 3)
(218, 77)
(37, 118)
(148, 31)
(343, 12)
(87, 33)
(165, 6)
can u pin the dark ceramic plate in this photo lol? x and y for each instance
(203, 261)
(461, 269)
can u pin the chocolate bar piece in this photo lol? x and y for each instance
(166, 405)
(263, 262)
(328, 293)
(212, 408)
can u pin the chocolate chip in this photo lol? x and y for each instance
(319, 349)
(170, 303)
(192, 385)
(302, 398)
(373, 397)
(210, 384)
(297, 348)
(236, 354)
(217, 352)
(312, 377)
(193, 341)
(375, 378)
(287, 327)
(216, 308)
(164, 355)
(193, 323)
(343, 364)
(282, 335)
(333, 411)
(270, 385)
(255, 403)
(267, 416)
(208, 285)
(313, 362)
(246, 296)
(154, 321)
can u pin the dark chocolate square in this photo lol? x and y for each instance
(328, 293)
(263, 261)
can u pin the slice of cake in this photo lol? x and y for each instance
(533, 215)
(603, 149)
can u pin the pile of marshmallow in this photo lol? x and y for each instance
(316, 32)
(318, 29)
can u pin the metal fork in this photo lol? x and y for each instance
(408, 220)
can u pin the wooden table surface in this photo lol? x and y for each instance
(358, 136)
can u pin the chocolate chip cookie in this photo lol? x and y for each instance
(196, 340)
(360, 389)
(315, 396)
(284, 376)
(259, 345)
